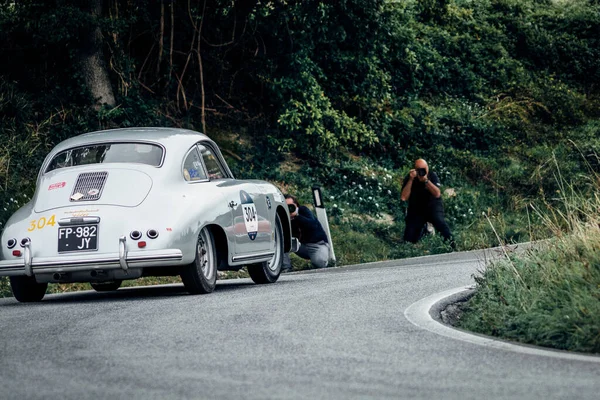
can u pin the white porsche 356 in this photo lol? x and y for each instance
(125, 203)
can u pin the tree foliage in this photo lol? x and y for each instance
(320, 79)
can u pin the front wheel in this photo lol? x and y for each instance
(106, 286)
(200, 277)
(268, 271)
(26, 289)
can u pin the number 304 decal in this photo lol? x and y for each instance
(249, 214)
(41, 223)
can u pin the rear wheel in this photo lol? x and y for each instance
(106, 286)
(26, 289)
(200, 277)
(268, 271)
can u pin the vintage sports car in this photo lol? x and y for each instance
(125, 203)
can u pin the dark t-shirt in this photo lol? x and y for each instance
(307, 228)
(421, 200)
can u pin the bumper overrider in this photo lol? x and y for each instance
(123, 260)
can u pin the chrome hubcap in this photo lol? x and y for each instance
(204, 256)
(274, 262)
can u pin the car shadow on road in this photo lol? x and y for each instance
(145, 293)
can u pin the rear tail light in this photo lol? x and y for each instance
(11, 243)
(135, 235)
(25, 242)
(17, 253)
(141, 244)
(152, 233)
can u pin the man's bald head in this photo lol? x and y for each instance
(420, 163)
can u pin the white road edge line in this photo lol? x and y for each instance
(418, 314)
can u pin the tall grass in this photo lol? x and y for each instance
(549, 296)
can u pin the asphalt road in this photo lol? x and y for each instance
(334, 334)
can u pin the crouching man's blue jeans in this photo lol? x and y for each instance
(317, 253)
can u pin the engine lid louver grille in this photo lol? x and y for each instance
(89, 186)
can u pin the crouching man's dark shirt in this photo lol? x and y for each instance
(307, 228)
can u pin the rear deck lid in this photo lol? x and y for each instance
(70, 187)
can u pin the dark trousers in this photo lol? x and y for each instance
(416, 220)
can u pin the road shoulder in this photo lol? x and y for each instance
(426, 314)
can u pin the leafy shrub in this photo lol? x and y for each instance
(548, 297)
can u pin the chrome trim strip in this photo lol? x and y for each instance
(78, 221)
(112, 261)
(136, 258)
(254, 256)
(151, 255)
(11, 266)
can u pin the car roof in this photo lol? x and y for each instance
(165, 136)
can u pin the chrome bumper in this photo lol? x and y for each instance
(28, 265)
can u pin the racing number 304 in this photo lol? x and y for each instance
(250, 220)
(250, 213)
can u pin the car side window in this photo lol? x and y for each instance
(192, 167)
(214, 169)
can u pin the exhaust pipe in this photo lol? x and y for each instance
(57, 276)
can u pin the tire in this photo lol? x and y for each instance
(200, 277)
(26, 289)
(269, 271)
(106, 286)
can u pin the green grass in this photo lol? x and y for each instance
(548, 297)
(5, 287)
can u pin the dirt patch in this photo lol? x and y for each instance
(452, 313)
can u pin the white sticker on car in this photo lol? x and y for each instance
(77, 196)
(249, 214)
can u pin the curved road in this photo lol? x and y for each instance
(333, 334)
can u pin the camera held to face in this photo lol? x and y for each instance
(292, 208)
(421, 171)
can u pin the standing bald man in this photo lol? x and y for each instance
(421, 188)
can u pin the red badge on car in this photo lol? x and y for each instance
(57, 185)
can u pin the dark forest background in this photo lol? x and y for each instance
(500, 96)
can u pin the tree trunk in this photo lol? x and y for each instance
(92, 62)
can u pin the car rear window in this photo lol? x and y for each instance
(140, 153)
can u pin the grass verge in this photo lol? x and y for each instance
(549, 296)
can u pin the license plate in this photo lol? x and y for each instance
(78, 238)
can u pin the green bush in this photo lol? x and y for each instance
(548, 297)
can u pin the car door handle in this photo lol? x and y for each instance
(232, 204)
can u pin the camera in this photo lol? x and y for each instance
(292, 208)
(421, 171)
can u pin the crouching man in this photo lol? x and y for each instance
(421, 188)
(314, 245)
